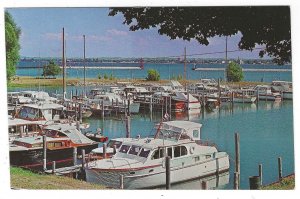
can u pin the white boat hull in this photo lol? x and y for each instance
(244, 100)
(182, 169)
(288, 95)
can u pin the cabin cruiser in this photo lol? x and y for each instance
(60, 140)
(141, 161)
(284, 87)
(264, 92)
(182, 102)
(18, 128)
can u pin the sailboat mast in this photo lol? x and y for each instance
(84, 66)
(64, 64)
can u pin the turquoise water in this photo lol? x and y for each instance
(266, 132)
(167, 71)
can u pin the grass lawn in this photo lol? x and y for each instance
(24, 179)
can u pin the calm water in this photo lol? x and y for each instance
(167, 71)
(266, 132)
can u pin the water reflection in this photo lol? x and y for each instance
(212, 182)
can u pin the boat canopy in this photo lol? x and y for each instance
(71, 132)
(176, 130)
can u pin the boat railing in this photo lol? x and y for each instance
(205, 143)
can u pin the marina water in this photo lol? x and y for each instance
(266, 133)
(166, 71)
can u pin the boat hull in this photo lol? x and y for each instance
(33, 159)
(154, 176)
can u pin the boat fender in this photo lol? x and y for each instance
(192, 149)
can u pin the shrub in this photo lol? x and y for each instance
(234, 72)
(153, 75)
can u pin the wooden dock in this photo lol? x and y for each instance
(246, 69)
(107, 67)
(65, 170)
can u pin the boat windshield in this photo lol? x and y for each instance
(124, 148)
(134, 150)
(168, 135)
(113, 143)
(144, 153)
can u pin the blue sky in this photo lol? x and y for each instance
(106, 36)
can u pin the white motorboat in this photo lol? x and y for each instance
(141, 160)
(286, 88)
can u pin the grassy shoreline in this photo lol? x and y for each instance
(25, 81)
(24, 179)
(287, 183)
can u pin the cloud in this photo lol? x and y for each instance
(52, 36)
(96, 38)
(117, 32)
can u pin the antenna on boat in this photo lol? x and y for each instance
(225, 58)
(84, 66)
(64, 64)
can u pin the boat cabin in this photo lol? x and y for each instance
(40, 111)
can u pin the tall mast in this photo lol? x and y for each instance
(184, 64)
(64, 64)
(225, 59)
(84, 65)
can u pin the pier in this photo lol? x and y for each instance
(246, 69)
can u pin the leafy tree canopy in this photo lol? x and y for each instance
(234, 72)
(12, 35)
(51, 69)
(262, 25)
(153, 75)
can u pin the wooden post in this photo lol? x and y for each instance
(75, 156)
(75, 111)
(237, 157)
(53, 167)
(128, 109)
(80, 112)
(168, 172)
(121, 181)
(243, 96)
(83, 158)
(235, 181)
(128, 126)
(219, 91)
(257, 96)
(78, 125)
(279, 169)
(115, 149)
(44, 153)
(104, 150)
(204, 185)
(170, 108)
(254, 182)
(102, 105)
(260, 173)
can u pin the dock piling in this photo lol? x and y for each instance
(279, 168)
(104, 150)
(80, 112)
(237, 157)
(235, 181)
(44, 153)
(254, 182)
(53, 167)
(168, 173)
(75, 156)
(204, 185)
(83, 158)
(121, 181)
(260, 172)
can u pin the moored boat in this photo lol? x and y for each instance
(60, 141)
(141, 160)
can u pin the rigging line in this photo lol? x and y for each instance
(210, 53)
